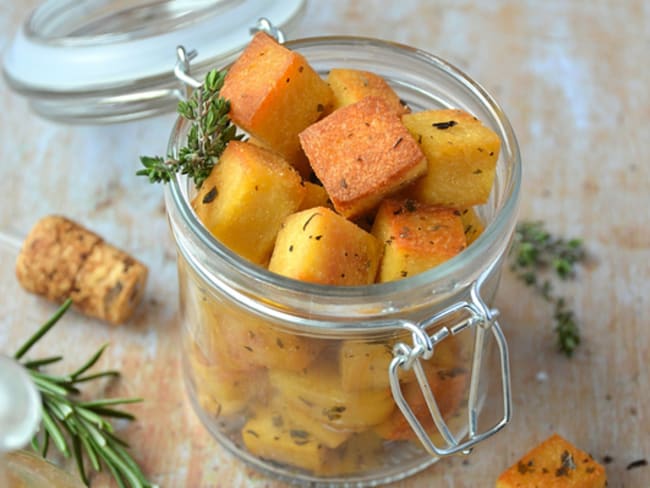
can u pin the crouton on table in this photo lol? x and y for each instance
(555, 463)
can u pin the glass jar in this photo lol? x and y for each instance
(362, 385)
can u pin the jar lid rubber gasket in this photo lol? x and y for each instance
(103, 61)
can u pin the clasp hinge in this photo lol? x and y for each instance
(478, 317)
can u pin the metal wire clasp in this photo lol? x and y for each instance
(481, 319)
(182, 70)
(265, 25)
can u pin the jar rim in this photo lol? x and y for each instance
(501, 225)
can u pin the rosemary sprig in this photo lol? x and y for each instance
(536, 258)
(80, 427)
(210, 132)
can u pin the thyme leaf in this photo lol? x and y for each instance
(539, 259)
(210, 131)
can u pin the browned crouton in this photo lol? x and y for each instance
(351, 85)
(361, 153)
(462, 156)
(320, 246)
(274, 94)
(416, 237)
(472, 224)
(555, 463)
(315, 196)
(246, 197)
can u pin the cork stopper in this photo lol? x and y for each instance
(61, 259)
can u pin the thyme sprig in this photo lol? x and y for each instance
(80, 427)
(210, 131)
(537, 257)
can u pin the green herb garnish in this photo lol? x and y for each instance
(538, 257)
(80, 426)
(210, 132)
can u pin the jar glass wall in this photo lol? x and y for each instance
(293, 377)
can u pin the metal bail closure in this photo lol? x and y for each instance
(265, 25)
(482, 320)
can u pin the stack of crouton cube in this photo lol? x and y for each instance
(339, 183)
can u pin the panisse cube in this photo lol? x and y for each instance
(351, 85)
(298, 159)
(256, 342)
(364, 365)
(317, 392)
(242, 344)
(266, 435)
(320, 246)
(246, 197)
(274, 94)
(220, 391)
(555, 463)
(361, 153)
(462, 155)
(315, 196)
(360, 450)
(451, 356)
(416, 237)
(472, 224)
(295, 419)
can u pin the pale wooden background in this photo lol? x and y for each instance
(573, 78)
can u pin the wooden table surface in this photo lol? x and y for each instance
(573, 78)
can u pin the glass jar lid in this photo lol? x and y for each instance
(98, 61)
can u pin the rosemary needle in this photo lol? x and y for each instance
(537, 257)
(80, 427)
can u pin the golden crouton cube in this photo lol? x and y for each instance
(292, 418)
(274, 94)
(359, 454)
(351, 85)
(219, 391)
(320, 246)
(240, 342)
(246, 197)
(298, 160)
(266, 345)
(268, 435)
(364, 365)
(315, 196)
(317, 392)
(472, 224)
(416, 237)
(555, 463)
(361, 153)
(462, 155)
